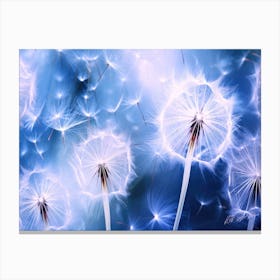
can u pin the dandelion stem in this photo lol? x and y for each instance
(251, 223)
(185, 183)
(106, 207)
(195, 131)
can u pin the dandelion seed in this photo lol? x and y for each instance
(87, 108)
(114, 109)
(62, 122)
(161, 208)
(136, 102)
(142, 114)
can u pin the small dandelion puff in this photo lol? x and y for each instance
(43, 203)
(197, 120)
(103, 165)
(246, 179)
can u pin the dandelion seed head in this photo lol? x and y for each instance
(199, 117)
(104, 156)
(41, 199)
(43, 202)
(199, 111)
(246, 176)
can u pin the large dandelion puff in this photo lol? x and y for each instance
(196, 121)
(246, 180)
(44, 204)
(102, 164)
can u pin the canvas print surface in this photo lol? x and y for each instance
(139, 140)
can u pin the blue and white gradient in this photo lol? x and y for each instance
(106, 135)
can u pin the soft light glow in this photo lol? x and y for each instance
(59, 95)
(199, 116)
